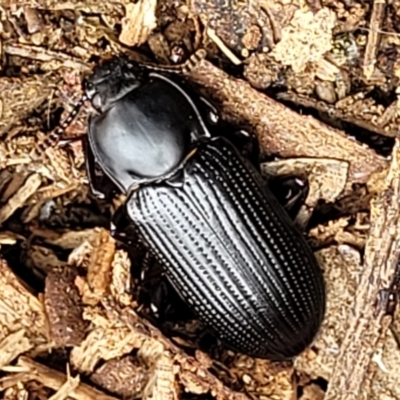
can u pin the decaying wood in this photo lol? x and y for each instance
(30, 186)
(22, 318)
(99, 269)
(38, 53)
(280, 130)
(124, 376)
(139, 22)
(64, 307)
(33, 371)
(376, 295)
(154, 347)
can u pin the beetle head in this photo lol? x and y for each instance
(111, 80)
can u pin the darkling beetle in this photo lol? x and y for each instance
(227, 246)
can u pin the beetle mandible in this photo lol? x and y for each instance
(226, 244)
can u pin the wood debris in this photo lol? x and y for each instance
(326, 177)
(76, 316)
(124, 376)
(64, 307)
(33, 371)
(374, 302)
(99, 267)
(306, 39)
(21, 315)
(30, 186)
(139, 22)
(304, 136)
(375, 23)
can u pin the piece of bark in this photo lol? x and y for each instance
(125, 377)
(22, 318)
(371, 50)
(280, 130)
(342, 268)
(64, 307)
(99, 268)
(139, 22)
(375, 297)
(30, 186)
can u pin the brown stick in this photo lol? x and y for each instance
(280, 130)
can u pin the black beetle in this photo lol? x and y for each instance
(226, 244)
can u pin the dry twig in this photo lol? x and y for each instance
(374, 34)
(282, 131)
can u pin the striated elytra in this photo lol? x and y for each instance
(227, 246)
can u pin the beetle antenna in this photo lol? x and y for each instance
(54, 137)
(184, 68)
(193, 61)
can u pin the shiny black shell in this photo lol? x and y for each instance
(226, 244)
(233, 254)
(146, 132)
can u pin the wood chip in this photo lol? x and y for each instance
(55, 380)
(326, 177)
(125, 377)
(18, 200)
(162, 384)
(342, 267)
(121, 283)
(105, 343)
(64, 307)
(64, 392)
(41, 54)
(139, 22)
(306, 39)
(21, 316)
(371, 50)
(99, 269)
(13, 345)
(71, 239)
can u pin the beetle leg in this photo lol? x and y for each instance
(291, 192)
(90, 161)
(248, 145)
(160, 307)
(62, 142)
(121, 228)
(166, 305)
